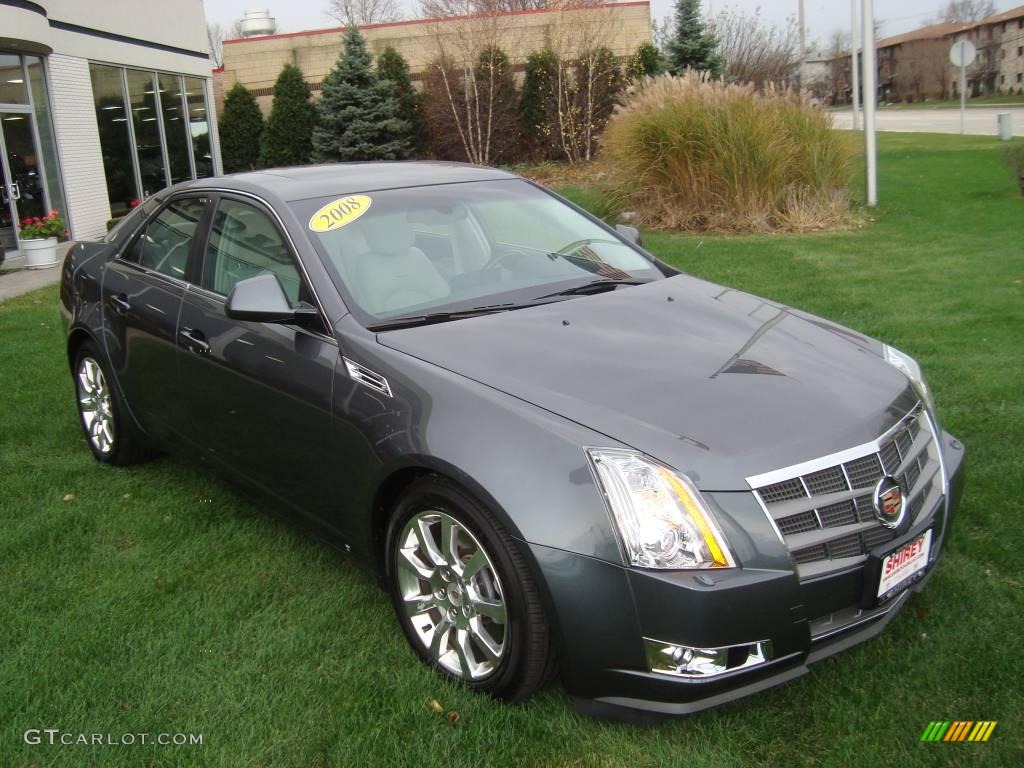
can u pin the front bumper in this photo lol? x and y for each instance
(601, 627)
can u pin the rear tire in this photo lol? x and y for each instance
(109, 432)
(466, 600)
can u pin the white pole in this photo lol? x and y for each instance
(870, 95)
(803, 47)
(855, 74)
(963, 86)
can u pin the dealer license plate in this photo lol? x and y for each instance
(902, 567)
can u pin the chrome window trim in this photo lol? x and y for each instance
(832, 459)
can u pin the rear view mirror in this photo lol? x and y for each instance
(261, 299)
(631, 234)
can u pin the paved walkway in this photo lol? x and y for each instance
(15, 283)
(980, 121)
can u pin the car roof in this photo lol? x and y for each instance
(311, 181)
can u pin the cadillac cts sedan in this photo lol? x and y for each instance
(558, 454)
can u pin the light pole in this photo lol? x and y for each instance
(803, 47)
(870, 95)
(854, 74)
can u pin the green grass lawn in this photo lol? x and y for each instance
(157, 599)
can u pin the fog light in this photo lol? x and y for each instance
(685, 661)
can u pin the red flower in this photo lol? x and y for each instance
(36, 220)
(26, 221)
(53, 213)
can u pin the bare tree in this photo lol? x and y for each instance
(587, 77)
(755, 51)
(358, 13)
(217, 33)
(965, 11)
(838, 54)
(472, 74)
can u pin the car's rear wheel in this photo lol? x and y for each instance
(463, 594)
(110, 435)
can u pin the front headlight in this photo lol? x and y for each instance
(908, 367)
(662, 519)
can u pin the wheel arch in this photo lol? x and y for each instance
(78, 336)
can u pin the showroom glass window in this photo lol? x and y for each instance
(115, 137)
(47, 143)
(199, 128)
(153, 131)
(146, 125)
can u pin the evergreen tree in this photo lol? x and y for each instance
(647, 61)
(240, 126)
(358, 112)
(541, 68)
(286, 138)
(391, 65)
(691, 45)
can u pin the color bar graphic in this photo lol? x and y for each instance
(958, 730)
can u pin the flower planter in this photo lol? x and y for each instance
(40, 253)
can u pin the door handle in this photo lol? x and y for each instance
(194, 340)
(120, 303)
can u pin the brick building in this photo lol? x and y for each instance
(256, 61)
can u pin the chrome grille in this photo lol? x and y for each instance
(825, 513)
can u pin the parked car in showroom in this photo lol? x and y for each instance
(556, 452)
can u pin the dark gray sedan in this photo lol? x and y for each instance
(557, 452)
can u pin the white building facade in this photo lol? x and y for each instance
(102, 103)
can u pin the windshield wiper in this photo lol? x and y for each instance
(430, 318)
(594, 286)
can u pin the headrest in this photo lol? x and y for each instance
(388, 234)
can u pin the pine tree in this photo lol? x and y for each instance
(391, 65)
(286, 138)
(358, 112)
(541, 67)
(646, 61)
(240, 126)
(691, 45)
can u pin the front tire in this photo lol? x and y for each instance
(109, 432)
(466, 600)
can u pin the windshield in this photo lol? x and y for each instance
(458, 247)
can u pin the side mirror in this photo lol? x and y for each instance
(632, 234)
(261, 299)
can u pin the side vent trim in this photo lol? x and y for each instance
(365, 376)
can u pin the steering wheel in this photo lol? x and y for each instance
(498, 260)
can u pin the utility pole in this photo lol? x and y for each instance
(803, 47)
(870, 95)
(854, 73)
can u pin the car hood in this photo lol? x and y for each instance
(718, 383)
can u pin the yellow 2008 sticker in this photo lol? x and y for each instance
(340, 212)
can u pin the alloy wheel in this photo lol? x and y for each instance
(452, 595)
(95, 405)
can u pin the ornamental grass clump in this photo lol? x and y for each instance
(695, 154)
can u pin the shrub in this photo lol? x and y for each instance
(1014, 156)
(287, 137)
(692, 153)
(471, 108)
(358, 113)
(240, 127)
(392, 66)
(646, 61)
(541, 69)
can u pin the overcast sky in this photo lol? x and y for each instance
(823, 16)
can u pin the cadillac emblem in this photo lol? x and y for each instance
(890, 503)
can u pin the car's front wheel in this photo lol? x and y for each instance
(111, 436)
(464, 596)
